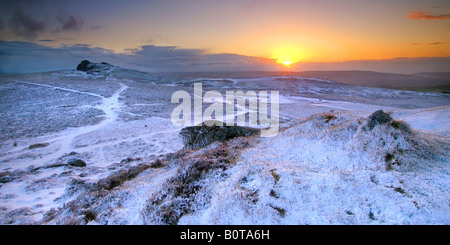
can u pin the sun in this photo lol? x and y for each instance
(287, 55)
(287, 63)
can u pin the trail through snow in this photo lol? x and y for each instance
(62, 141)
(39, 178)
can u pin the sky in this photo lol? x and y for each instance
(194, 35)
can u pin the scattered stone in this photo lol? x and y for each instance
(76, 162)
(72, 153)
(38, 145)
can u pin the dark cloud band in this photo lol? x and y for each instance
(17, 57)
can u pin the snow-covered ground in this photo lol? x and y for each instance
(322, 168)
(332, 173)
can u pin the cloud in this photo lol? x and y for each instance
(422, 15)
(26, 26)
(433, 43)
(151, 39)
(32, 57)
(436, 43)
(28, 19)
(69, 23)
(20, 57)
(167, 53)
(172, 58)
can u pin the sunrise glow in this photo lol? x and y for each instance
(287, 55)
(287, 63)
(230, 35)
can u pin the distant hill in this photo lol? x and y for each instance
(434, 74)
(425, 80)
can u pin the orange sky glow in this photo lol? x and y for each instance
(284, 31)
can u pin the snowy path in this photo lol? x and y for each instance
(60, 88)
(39, 178)
(61, 143)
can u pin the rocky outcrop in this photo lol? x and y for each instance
(202, 135)
(377, 118)
(90, 67)
(83, 66)
(76, 162)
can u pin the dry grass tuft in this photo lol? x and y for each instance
(176, 198)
